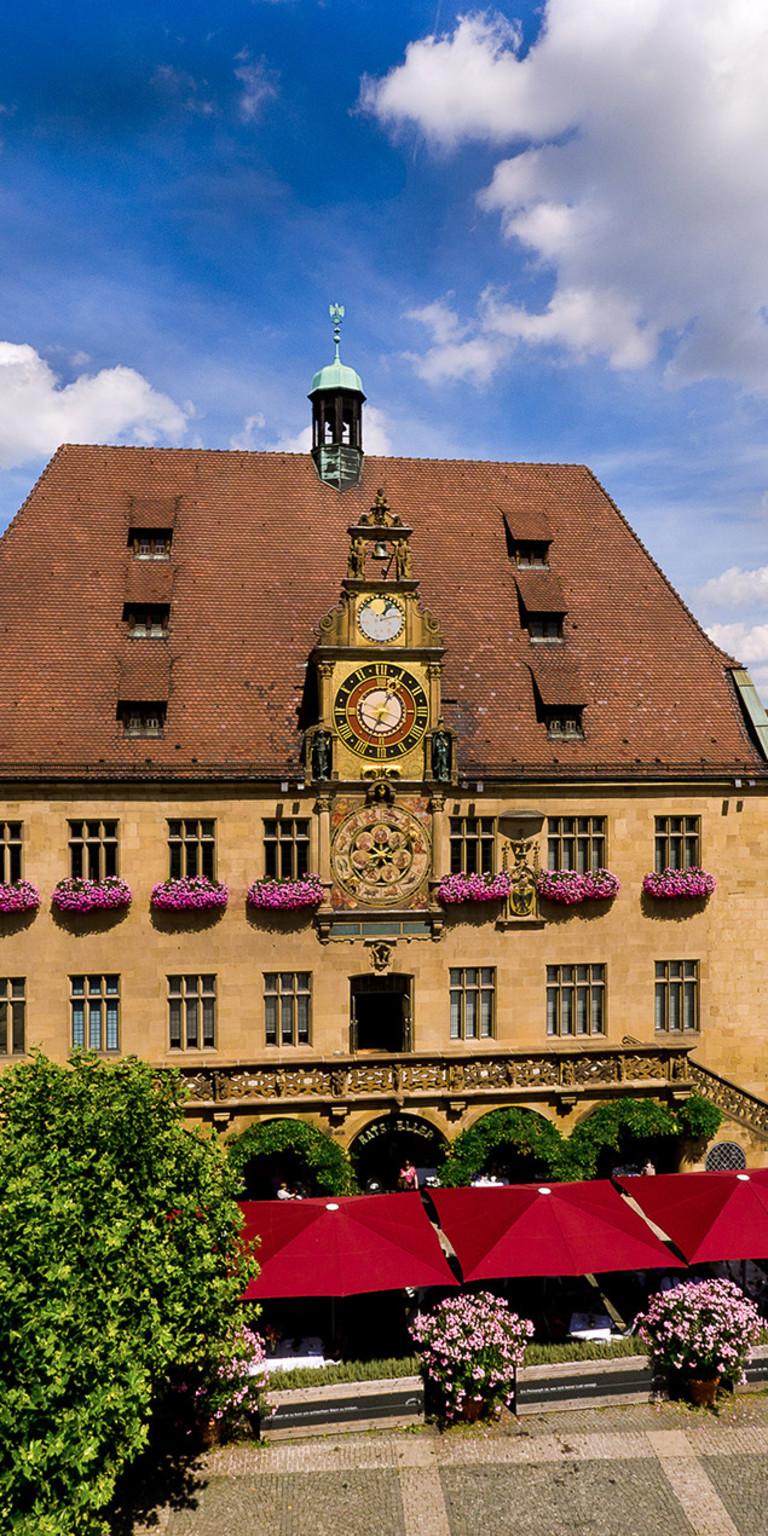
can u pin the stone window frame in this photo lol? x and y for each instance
(192, 1012)
(588, 839)
(577, 1000)
(677, 997)
(93, 849)
(13, 1007)
(288, 1008)
(192, 847)
(95, 1013)
(677, 843)
(286, 847)
(472, 991)
(472, 845)
(10, 852)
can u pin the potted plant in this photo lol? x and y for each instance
(462, 887)
(700, 1332)
(19, 896)
(223, 1397)
(672, 883)
(76, 895)
(286, 895)
(471, 1346)
(569, 887)
(189, 893)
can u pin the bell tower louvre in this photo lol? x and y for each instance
(374, 791)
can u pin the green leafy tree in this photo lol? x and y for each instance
(311, 1152)
(119, 1260)
(495, 1135)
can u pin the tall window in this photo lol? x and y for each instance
(95, 1009)
(192, 848)
(191, 1012)
(10, 852)
(286, 848)
(677, 995)
(677, 842)
(12, 989)
(92, 849)
(473, 996)
(575, 1000)
(473, 843)
(576, 842)
(287, 999)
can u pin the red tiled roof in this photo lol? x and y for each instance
(258, 555)
(541, 591)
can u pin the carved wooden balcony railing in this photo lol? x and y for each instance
(510, 1076)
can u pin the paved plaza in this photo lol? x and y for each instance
(633, 1471)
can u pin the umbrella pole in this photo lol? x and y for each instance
(609, 1307)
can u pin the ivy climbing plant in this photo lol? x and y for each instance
(529, 1134)
(323, 1163)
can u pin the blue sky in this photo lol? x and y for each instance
(548, 224)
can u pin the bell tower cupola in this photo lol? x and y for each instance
(337, 417)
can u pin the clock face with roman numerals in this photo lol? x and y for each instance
(381, 711)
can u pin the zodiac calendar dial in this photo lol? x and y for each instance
(381, 711)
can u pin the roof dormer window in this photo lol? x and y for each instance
(150, 620)
(545, 626)
(565, 723)
(532, 555)
(150, 543)
(142, 719)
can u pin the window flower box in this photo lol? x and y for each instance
(569, 887)
(189, 894)
(676, 883)
(286, 895)
(461, 887)
(20, 896)
(75, 895)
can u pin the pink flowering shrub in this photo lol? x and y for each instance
(76, 895)
(231, 1389)
(19, 897)
(471, 1347)
(286, 895)
(569, 887)
(679, 882)
(189, 893)
(704, 1328)
(454, 888)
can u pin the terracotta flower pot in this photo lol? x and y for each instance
(473, 1409)
(209, 1433)
(703, 1391)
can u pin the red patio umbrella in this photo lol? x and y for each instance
(559, 1229)
(709, 1216)
(343, 1246)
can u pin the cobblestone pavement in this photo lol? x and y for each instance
(634, 1471)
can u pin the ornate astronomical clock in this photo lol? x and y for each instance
(379, 743)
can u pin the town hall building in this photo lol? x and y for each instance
(411, 788)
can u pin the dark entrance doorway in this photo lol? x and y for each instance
(380, 1150)
(380, 1013)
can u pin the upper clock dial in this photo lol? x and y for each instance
(381, 711)
(381, 618)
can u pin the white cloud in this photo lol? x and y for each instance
(258, 84)
(37, 414)
(748, 645)
(245, 440)
(637, 176)
(736, 588)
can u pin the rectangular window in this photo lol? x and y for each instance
(576, 842)
(142, 719)
(10, 852)
(191, 1013)
(150, 543)
(677, 995)
(192, 848)
(92, 849)
(149, 620)
(677, 842)
(286, 848)
(564, 723)
(473, 845)
(545, 626)
(532, 554)
(287, 1011)
(473, 995)
(95, 1009)
(12, 990)
(575, 1000)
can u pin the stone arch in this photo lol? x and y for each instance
(518, 1144)
(292, 1152)
(380, 1148)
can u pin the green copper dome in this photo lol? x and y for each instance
(336, 376)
